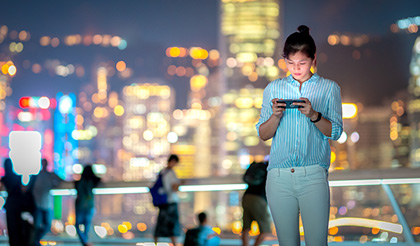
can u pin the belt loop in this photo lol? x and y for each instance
(304, 171)
(278, 172)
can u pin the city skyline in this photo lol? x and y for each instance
(148, 37)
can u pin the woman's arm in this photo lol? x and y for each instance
(268, 129)
(323, 125)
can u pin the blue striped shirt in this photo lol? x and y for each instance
(297, 141)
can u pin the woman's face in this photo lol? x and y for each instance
(299, 65)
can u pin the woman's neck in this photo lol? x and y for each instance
(301, 81)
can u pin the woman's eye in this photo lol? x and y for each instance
(303, 63)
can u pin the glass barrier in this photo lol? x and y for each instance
(361, 212)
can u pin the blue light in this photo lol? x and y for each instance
(65, 105)
(122, 45)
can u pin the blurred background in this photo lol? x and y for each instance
(123, 84)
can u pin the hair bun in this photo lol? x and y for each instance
(303, 29)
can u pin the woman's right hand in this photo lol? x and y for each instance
(278, 108)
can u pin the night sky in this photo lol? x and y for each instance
(151, 26)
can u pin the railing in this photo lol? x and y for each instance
(368, 207)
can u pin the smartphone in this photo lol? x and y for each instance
(289, 102)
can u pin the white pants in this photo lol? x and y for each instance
(304, 190)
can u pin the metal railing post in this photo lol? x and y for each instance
(401, 218)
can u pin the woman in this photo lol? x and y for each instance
(297, 179)
(85, 202)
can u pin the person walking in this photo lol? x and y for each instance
(167, 224)
(254, 203)
(297, 179)
(85, 202)
(44, 182)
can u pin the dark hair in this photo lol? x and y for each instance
(8, 167)
(202, 217)
(173, 158)
(88, 174)
(44, 162)
(300, 41)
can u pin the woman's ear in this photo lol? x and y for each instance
(314, 61)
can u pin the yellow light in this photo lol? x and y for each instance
(349, 110)
(11, 70)
(217, 230)
(333, 156)
(127, 224)
(393, 135)
(244, 102)
(121, 66)
(237, 227)
(119, 110)
(195, 52)
(5, 68)
(246, 57)
(255, 230)
(258, 102)
(197, 82)
(203, 54)
(174, 52)
(122, 229)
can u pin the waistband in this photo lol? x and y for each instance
(299, 170)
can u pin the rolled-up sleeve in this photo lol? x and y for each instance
(334, 114)
(266, 109)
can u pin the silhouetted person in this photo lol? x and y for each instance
(254, 203)
(12, 184)
(85, 202)
(167, 224)
(45, 181)
(19, 207)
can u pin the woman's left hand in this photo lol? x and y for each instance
(307, 109)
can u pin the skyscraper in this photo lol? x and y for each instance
(147, 122)
(414, 104)
(250, 35)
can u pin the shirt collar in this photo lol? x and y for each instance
(313, 78)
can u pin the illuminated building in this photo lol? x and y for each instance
(64, 143)
(365, 142)
(99, 125)
(147, 122)
(374, 148)
(414, 104)
(400, 130)
(250, 34)
(197, 127)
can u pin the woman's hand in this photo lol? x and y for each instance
(278, 108)
(307, 109)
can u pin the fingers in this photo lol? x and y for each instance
(278, 108)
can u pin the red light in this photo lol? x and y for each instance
(24, 102)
